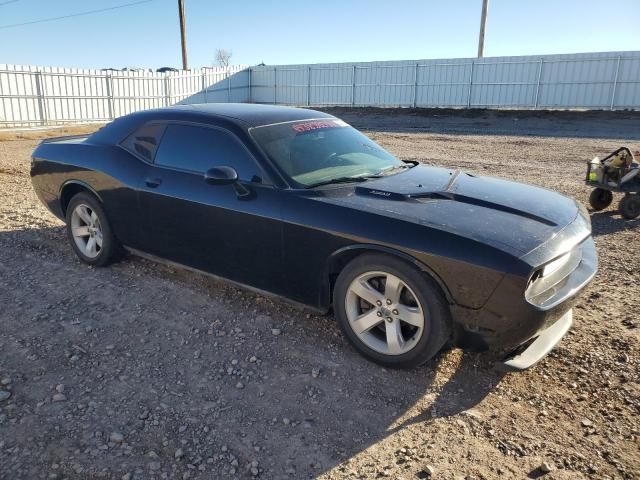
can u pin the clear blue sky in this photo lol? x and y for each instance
(300, 31)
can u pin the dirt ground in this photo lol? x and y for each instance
(142, 371)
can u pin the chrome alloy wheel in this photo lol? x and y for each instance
(86, 230)
(384, 313)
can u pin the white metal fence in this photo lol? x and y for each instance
(31, 96)
(609, 80)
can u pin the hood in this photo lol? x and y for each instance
(510, 216)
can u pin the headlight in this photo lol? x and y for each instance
(554, 266)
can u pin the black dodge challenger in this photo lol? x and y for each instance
(297, 203)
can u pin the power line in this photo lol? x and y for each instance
(7, 3)
(74, 14)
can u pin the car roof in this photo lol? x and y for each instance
(249, 114)
(243, 115)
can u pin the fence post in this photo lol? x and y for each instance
(470, 85)
(228, 86)
(353, 86)
(167, 92)
(40, 93)
(615, 84)
(309, 85)
(415, 87)
(535, 105)
(250, 72)
(275, 85)
(205, 87)
(109, 88)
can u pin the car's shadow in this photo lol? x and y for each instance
(176, 360)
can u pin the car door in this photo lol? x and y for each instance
(216, 228)
(131, 159)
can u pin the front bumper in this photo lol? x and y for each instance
(546, 340)
(508, 320)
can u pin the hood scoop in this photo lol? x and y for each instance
(411, 184)
(381, 193)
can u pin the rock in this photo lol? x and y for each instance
(253, 359)
(154, 466)
(315, 373)
(179, 453)
(545, 467)
(275, 331)
(4, 395)
(429, 471)
(587, 423)
(286, 421)
(126, 476)
(116, 437)
(239, 385)
(59, 397)
(60, 388)
(5, 381)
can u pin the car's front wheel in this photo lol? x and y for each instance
(89, 231)
(390, 311)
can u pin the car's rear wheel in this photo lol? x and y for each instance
(89, 231)
(600, 198)
(630, 206)
(390, 311)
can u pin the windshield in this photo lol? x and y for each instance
(314, 152)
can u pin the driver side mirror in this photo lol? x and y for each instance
(228, 176)
(221, 176)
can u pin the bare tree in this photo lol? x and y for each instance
(223, 57)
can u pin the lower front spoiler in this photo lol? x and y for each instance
(541, 345)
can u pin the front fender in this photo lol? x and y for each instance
(339, 258)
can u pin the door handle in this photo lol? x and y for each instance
(153, 182)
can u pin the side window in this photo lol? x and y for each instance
(144, 141)
(200, 148)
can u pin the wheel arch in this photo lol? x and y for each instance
(70, 188)
(341, 257)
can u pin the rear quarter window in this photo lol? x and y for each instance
(144, 141)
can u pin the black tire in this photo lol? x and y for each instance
(630, 206)
(437, 317)
(111, 249)
(600, 199)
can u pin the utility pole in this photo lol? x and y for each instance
(183, 34)
(483, 24)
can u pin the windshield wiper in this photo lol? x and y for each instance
(359, 178)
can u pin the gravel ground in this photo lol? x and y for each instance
(142, 371)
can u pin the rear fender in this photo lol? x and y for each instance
(70, 188)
